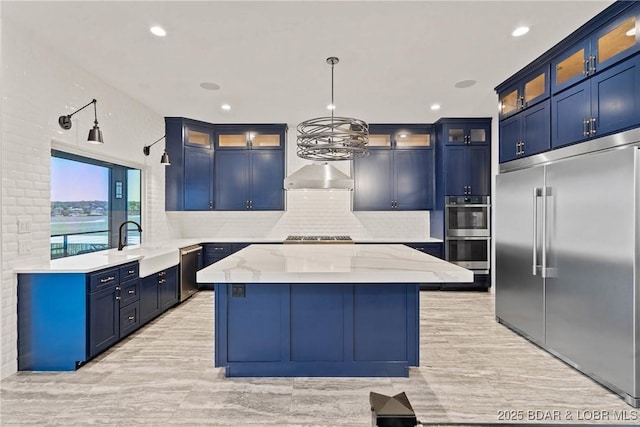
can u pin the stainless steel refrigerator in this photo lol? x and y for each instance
(567, 257)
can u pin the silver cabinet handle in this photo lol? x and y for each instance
(162, 273)
(118, 298)
(585, 67)
(131, 318)
(160, 282)
(131, 291)
(593, 64)
(210, 204)
(585, 127)
(108, 279)
(131, 272)
(592, 126)
(118, 288)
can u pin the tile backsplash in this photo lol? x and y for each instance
(308, 212)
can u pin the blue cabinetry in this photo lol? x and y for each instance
(214, 252)
(594, 77)
(189, 181)
(249, 167)
(398, 173)
(612, 41)
(526, 133)
(606, 103)
(465, 158)
(65, 319)
(158, 292)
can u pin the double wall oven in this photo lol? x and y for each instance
(468, 232)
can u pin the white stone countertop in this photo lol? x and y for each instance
(155, 257)
(332, 263)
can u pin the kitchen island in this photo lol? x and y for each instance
(321, 310)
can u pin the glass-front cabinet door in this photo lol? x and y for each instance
(605, 47)
(197, 136)
(465, 134)
(530, 91)
(250, 137)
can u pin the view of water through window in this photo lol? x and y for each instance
(81, 213)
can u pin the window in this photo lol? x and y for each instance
(89, 200)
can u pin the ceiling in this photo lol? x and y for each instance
(396, 58)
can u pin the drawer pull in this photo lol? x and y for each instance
(162, 273)
(118, 288)
(118, 298)
(131, 318)
(218, 249)
(108, 279)
(160, 282)
(132, 291)
(131, 272)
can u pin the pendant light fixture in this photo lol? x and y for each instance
(95, 134)
(164, 160)
(332, 138)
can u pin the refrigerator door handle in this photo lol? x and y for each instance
(537, 192)
(546, 271)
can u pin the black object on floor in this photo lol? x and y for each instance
(391, 411)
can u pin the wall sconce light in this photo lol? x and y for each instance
(95, 134)
(164, 160)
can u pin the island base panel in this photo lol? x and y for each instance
(317, 329)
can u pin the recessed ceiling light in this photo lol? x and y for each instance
(435, 107)
(158, 31)
(226, 107)
(209, 86)
(520, 31)
(331, 107)
(631, 32)
(465, 83)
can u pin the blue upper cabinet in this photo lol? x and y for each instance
(189, 179)
(249, 167)
(465, 157)
(602, 48)
(526, 133)
(606, 103)
(525, 93)
(399, 172)
(594, 79)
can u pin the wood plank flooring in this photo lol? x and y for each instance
(472, 370)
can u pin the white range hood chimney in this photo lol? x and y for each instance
(318, 176)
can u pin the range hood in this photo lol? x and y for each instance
(318, 176)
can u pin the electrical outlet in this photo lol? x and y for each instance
(237, 290)
(24, 226)
(24, 247)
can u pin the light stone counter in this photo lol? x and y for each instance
(332, 263)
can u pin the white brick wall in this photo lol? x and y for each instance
(38, 86)
(308, 212)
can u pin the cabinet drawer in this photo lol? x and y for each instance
(129, 271)
(434, 249)
(129, 318)
(129, 292)
(103, 279)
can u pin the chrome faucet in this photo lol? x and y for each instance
(120, 244)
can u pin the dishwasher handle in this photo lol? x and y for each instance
(190, 250)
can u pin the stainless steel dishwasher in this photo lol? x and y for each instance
(190, 263)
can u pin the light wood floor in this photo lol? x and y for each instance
(472, 370)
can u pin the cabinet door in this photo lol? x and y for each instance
(570, 109)
(454, 134)
(149, 298)
(413, 179)
(615, 103)
(455, 170)
(535, 127)
(232, 178)
(510, 136)
(616, 41)
(373, 176)
(169, 292)
(198, 179)
(570, 67)
(198, 136)
(267, 179)
(104, 320)
(509, 102)
(535, 88)
(479, 170)
(129, 319)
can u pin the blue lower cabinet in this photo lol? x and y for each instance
(432, 248)
(158, 293)
(66, 319)
(104, 319)
(129, 319)
(316, 329)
